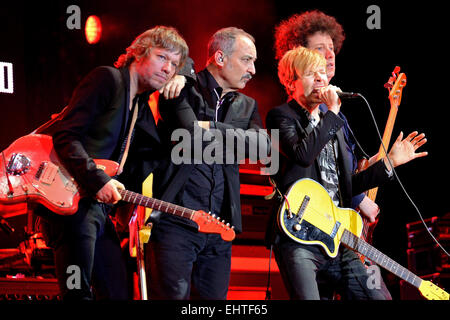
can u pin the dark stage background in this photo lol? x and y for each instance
(49, 60)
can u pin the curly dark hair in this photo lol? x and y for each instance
(295, 30)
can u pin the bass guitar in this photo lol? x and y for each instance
(309, 216)
(30, 172)
(395, 86)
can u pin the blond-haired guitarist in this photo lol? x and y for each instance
(312, 146)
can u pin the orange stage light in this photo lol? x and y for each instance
(93, 29)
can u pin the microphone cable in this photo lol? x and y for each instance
(397, 177)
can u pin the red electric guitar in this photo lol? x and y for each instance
(30, 172)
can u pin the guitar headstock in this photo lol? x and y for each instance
(210, 224)
(432, 292)
(395, 85)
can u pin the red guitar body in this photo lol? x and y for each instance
(30, 172)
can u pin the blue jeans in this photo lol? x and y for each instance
(301, 265)
(184, 263)
(88, 241)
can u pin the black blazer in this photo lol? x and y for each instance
(300, 147)
(194, 102)
(150, 144)
(94, 125)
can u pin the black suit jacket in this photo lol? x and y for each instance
(301, 145)
(194, 104)
(94, 125)
(150, 144)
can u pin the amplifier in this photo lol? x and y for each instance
(255, 215)
(428, 260)
(29, 289)
(419, 237)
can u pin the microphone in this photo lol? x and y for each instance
(347, 95)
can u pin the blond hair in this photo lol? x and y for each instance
(157, 37)
(295, 62)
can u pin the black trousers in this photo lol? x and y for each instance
(186, 264)
(87, 252)
(300, 266)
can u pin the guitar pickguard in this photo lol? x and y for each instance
(308, 232)
(30, 172)
(309, 216)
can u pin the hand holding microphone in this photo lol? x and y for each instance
(329, 96)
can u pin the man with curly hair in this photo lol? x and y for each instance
(314, 30)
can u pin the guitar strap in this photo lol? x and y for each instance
(129, 137)
(275, 191)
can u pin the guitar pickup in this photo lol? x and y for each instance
(335, 229)
(47, 172)
(303, 206)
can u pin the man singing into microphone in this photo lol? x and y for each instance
(312, 146)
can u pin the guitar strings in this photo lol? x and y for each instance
(182, 211)
(398, 178)
(320, 213)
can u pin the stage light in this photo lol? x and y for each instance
(93, 29)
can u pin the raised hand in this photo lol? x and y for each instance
(404, 150)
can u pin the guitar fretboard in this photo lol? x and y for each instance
(156, 204)
(380, 258)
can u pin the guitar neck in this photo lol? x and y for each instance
(381, 259)
(388, 129)
(372, 193)
(156, 204)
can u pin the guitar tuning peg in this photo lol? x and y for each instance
(388, 85)
(228, 224)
